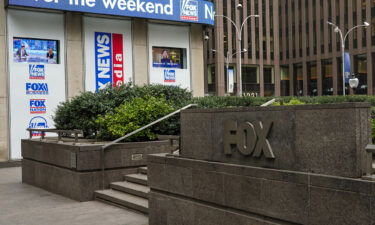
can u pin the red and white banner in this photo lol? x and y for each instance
(118, 58)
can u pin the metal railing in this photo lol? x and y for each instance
(59, 133)
(133, 133)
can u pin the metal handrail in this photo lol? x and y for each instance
(135, 132)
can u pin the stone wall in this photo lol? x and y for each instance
(325, 139)
(307, 168)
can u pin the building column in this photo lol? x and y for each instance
(219, 57)
(74, 54)
(140, 56)
(197, 64)
(370, 80)
(4, 118)
(304, 74)
(369, 74)
(319, 78)
(277, 71)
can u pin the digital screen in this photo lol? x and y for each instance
(163, 57)
(29, 50)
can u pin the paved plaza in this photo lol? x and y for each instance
(22, 204)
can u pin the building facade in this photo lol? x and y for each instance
(52, 51)
(291, 50)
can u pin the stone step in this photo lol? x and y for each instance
(123, 200)
(136, 178)
(131, 188)
(142, 170)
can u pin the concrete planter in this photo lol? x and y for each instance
(74, 170)
(318, 172)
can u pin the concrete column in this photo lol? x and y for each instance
(140, 56)
(74, 54)
(219, 57)
(197, 63)
(4, 124)
(319, 74)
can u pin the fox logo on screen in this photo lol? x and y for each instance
(38, 106)
(36, 88)
(189, 10)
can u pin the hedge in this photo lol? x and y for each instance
(83, 111)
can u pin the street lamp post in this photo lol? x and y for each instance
(239, 39)
(343, 39)
(228, 58)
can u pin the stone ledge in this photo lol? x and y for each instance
(286, 195)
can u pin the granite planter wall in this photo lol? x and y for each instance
(74, 170)
(314, 174)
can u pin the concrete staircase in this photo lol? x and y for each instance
(131, 193)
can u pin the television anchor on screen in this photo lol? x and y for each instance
(22, 54)
(50, 56)
(165, 60)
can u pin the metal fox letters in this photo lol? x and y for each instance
(248, 138)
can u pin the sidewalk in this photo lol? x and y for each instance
(22, 204)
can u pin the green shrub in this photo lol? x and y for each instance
(82, 111)
(293, 101)
(133, 115)
(228, 102)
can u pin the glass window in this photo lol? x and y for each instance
(327, 75)
(298, 80)
(269, 82)
(250, 80)
(360, 71)
(285, 80)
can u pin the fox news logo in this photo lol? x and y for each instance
(37, 72)
(36, 88)
(169, 76)
(189, 10)
(38, 122)
(38, 106)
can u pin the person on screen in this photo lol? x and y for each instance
(22, 54)
(50, 56)
(165, 58)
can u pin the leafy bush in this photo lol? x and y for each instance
(82, 111)
(293, 101)
(133, 115)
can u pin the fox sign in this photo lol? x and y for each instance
(189, 11)
(109, 60)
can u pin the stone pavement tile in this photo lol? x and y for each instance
(22, 204)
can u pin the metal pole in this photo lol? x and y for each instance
(227, 66)
(343, 67)
(240, 65)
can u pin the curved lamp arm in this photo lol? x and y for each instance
(234, 24)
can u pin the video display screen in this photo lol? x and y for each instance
(29, 50)
(164, 57)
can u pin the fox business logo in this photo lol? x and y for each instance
(36, 88)
(189, 10)
(38, 106)
(37, 72)
(38, 122)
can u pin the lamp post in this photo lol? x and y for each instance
(239, 39)
(343, 39)
(228, 58)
